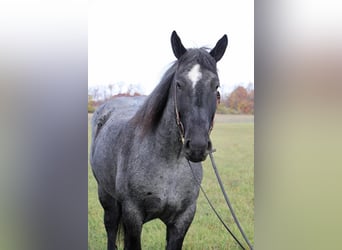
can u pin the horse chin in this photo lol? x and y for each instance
(196, 157)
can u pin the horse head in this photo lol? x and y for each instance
(195, 89)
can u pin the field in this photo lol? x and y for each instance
(233, 138)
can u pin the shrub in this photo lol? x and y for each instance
(221, 109)
(91, 107)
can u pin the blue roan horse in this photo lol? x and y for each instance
(140, 159)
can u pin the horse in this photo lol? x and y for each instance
(140, 159)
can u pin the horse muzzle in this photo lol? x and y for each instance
(197, 150)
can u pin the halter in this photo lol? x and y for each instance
(178, 120)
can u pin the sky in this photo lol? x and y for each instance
(129, 41)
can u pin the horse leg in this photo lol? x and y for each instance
(112, 215)
(177, 229)
(132, 222)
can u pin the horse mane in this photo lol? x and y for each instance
(149, 114)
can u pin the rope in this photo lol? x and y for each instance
(228, 202)
(212, 207)
(181, 131)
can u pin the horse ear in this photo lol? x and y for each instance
(219, 49)
(177, 46)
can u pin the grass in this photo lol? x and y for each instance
(233, 138)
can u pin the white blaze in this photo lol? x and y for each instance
(195, 74)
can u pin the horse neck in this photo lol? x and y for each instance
(168, 134)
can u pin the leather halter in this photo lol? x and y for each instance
(178, 120)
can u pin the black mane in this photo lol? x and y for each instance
(150, 113)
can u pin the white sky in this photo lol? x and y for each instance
(129, 41)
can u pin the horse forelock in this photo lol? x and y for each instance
(199, 56)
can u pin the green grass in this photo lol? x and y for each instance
(234, 142)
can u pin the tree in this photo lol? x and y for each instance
(95, 94)
(110, 86)
(241, 100)
(236, 97)
(91, 107)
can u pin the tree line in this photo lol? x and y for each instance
(239, 101)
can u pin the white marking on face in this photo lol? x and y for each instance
(195, 75)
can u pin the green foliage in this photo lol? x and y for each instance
(223, 110)
(234, 140)
(91, 107)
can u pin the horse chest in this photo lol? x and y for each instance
(167, 192)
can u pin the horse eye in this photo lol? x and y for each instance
(178, 85)
(214, 84)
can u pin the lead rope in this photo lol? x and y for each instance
(228, 202)
(213, 208)
(181, 132)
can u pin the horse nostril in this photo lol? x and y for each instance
(187, 144)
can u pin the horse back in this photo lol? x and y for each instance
(120, 108)
(109, 121)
